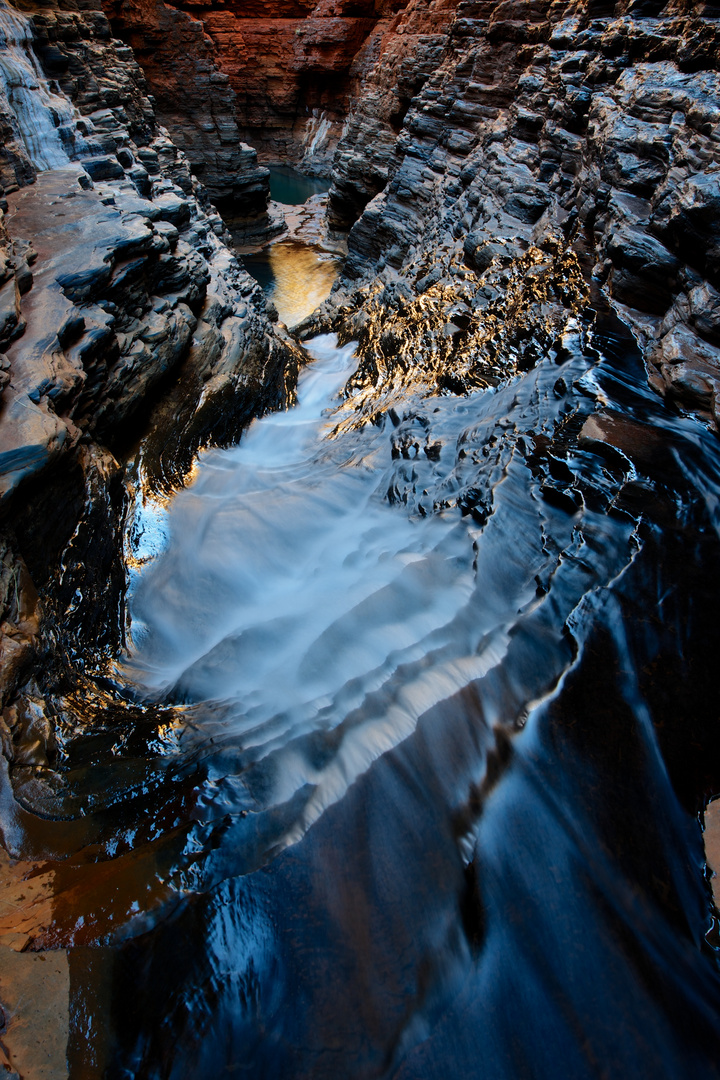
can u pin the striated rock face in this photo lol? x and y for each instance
(77, 50)
(89, 70)
(391, 71)
(281, 73)
(594, 130)
(195, 102)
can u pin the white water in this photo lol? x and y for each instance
(316, 136)
(39, 113)
(308, 624)
(282, 584)
(317, 132)
(274, 557)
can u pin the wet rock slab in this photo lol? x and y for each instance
(35, 1003)
(34, 986)
(84, 240)
(712, 846)
(119, 285)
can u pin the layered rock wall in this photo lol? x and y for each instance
(195, 102)
(283, 72)
(591, 130)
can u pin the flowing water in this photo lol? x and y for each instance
(445, 710)
(400, 773)
(45, 122)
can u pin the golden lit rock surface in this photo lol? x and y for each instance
(460, 330)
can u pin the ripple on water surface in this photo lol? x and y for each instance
(296, 277)
(289, 591)
(309, 623)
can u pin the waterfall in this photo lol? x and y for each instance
(39, 114)
(316, 133)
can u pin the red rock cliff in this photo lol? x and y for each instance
(283, 71)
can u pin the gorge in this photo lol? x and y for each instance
(359, 712)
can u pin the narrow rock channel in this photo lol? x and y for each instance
(359, 534)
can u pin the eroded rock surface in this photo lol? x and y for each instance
(120, 286)
(124, 314)
(282, 73)
(534, 125)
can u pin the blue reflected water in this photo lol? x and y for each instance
(291, 187)
(446, 714)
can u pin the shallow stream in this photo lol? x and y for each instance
(430, 710)
(449, 709)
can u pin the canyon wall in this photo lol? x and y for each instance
(122, 314)
(541, 135)
(282, 73)
(477, 130)
(502, 168)
(195, 103)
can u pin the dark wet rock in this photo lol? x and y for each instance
(20, 615)
(480, 252)
(12, 324)
(635, 250)
(103, 168)
(116, 294)
(704, 306)
(33, 737)
(689, 369)
(530, 124)
(141, 179)
(642, 443)
(688, 217)
(460, 329)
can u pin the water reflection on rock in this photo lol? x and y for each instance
(295, 277)
(438, 713)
